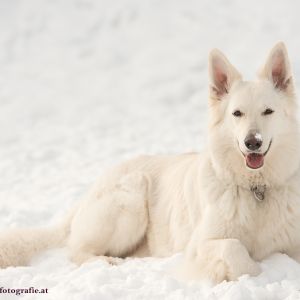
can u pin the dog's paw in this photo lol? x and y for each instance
(238, 260)
(215, 271)
(219, 260)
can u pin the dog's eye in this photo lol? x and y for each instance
(268, 111)
(237, 113)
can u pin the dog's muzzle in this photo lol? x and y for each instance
(253, 158)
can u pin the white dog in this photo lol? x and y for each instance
(227, 208)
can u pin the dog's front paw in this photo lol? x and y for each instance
(238, 260)
(216, 270)
(219, 260)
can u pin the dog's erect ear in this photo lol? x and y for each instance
(222, 74)
(277, 68)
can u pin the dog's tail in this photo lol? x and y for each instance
(18, 246)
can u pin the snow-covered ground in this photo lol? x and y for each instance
(85, 84)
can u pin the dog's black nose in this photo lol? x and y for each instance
(253, 141)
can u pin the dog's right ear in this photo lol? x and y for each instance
(222, 74)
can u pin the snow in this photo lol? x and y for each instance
(258, 136)
(85, 84)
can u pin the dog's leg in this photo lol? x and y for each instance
(218, 260)
(112, 222)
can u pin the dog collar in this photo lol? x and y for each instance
(259, 192)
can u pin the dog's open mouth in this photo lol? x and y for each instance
(254, 160)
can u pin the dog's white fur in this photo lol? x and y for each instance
(201, 204)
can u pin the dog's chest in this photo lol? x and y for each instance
(265, 225)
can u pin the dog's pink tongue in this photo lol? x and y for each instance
(254, 160)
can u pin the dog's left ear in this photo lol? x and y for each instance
(222, 74)
(277, 68)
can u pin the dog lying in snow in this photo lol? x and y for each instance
(226, 208)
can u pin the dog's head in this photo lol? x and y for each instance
(253, 123)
